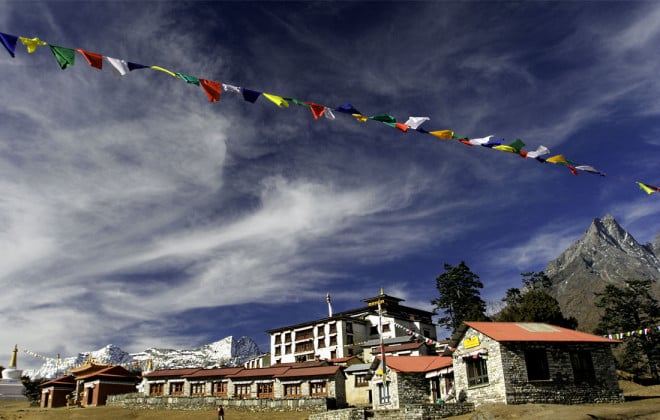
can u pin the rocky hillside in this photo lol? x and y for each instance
(606, 254)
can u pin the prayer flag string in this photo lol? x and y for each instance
(66, 58)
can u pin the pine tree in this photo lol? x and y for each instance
(459, 297)
(631, 308)
(534, 303)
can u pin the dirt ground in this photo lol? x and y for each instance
(641, 403)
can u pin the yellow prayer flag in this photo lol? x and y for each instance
(32, 44)
(442, 134)
(557, 159)
(277, 100)
(505, 148)
(645, 188)
(164, 70)
(360, 117)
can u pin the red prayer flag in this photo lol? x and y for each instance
(573, 170)
(212, 89)
(401, 126)
(317, 110)
(93, 59)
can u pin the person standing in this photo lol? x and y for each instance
(221, 413)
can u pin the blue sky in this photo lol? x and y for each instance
(135, 212)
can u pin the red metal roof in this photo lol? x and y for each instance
(62, 380)
(170, 372)
(110, 371)
(310, 371)
(398, 347)
(260, 372)
(218, 372)
(419, 364)
(534, 331)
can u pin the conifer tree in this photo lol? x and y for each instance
(459, 297)
(534, 303)
(633, 308)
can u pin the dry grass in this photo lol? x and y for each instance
(643, 402)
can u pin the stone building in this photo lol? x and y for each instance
(358, 392)
(406, 381)
(518, 363)
(98, 384)
(341, 334)
(314, 379)
(55, 393)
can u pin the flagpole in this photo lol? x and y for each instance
(382, 342)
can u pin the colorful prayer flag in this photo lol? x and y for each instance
(347, 109)
(416, 122)
(277, 100)
(317, 110)
(9, 41)
(32, 44)
(65, 56)
(649, 189)
(120, 67)
(557, 159)
(93, 59)
(442, 134)
(250, 95)
(212, 89)
(188, 78)
(164, 70)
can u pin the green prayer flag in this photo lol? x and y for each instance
(188, 78)
(517, 145)
(385, 118)
(296, 101)
(65, 56)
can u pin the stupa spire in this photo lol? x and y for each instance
(14, 357)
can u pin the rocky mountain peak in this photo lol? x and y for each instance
(605, 254)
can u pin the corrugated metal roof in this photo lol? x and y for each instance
(311, 371)
(170, 372)
(419, 364)
(260, 372)
(534, 331)
(219, 372)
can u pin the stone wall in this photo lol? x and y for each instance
(136, 400)
(561, 387)
(345, 414)
(495, 390)
(508, 377)
(413, 388)
(407, 412)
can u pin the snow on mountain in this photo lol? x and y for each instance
(228, 351)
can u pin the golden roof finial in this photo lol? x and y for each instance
(382, 291)
(14, 357)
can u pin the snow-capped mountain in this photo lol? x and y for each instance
(228, 351)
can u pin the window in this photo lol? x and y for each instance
(384, 393)
(220, 389)
(265, 390)
(321, 343)
(287, 349)
(349, 339)
(361, 380)
(306, 346)
(349, 327)
(156, 389)
(198, 388)
(477, 372)
(583, 367)
(333, 328)
(242, 391)
(536, 361)
(386, 327)
(317, 389)
(292, 390)
(304, 334)
(373, 330)
(333, 340)
(278, 339)
(176, 388)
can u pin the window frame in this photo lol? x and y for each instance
(476, 371)
(536, 363)
(583, 366)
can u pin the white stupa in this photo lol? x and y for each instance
(11, 387)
